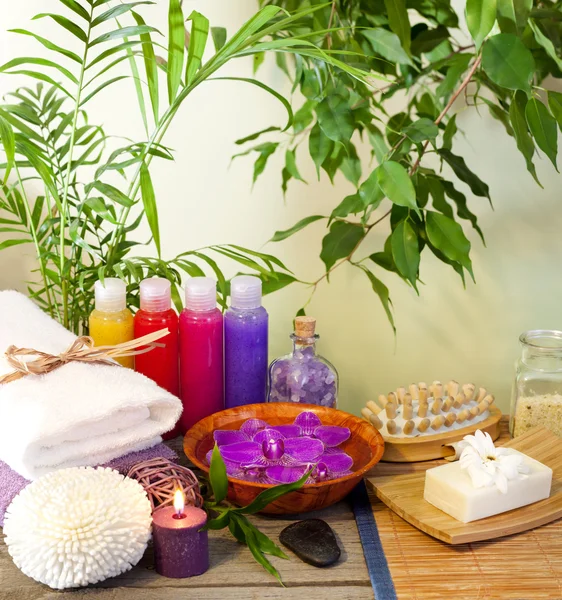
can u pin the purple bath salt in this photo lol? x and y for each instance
(303, 376)
(245, 344)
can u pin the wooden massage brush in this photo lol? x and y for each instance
(417, 423)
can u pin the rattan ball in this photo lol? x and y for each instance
(160, 478)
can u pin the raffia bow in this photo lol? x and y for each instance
(81, 350)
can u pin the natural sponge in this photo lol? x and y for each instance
(78, 526)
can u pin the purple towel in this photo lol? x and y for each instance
(11, 483)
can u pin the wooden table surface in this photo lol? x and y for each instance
(418, 565)
(234, 575)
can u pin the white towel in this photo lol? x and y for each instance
(78, 415)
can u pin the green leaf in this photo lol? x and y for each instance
(77, 8)
(428, 40)
(66, 24)
(150, 67)
(555, 105)
(543, 128)
(27, 60)
(49, 45)
(448, 237)
(370, 192)
(405, 251)
(450, 132)
(270, 495)
(524, 140)
(513, 14)
(14, 242)
(480, 18)
(546, 43)
(462, 207)
(101, 87)
(270, 285)
(507, 62)
(457, 66)
(254, 547)
(150, 207)
(335, 118)
(219, 37)
(255, 136)
(399, 21)
(9, 143)
(382, 292)
(291, 165)
(421, 130)
(320, 146)
(394, 181)
(123, 32)
(304, 116)
(197, 43)
(115, 12)
(265, 545)
(283, 235)
(349, 205)
(217, 476)
(265, 151)
(457, 163)
(176, 48)
(220, 522)
(265, 87)
(340, 242)
(113, 193)
(387, 44)
(351, 167)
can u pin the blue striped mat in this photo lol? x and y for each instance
(381, 580)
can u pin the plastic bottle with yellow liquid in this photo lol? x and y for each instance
(111, 322)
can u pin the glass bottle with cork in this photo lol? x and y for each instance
(111, 322)
(304, 376)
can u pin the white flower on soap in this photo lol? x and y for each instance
(488, 465)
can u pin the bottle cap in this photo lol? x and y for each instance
(305, 327)
(111, 295)
(245, 292)
(201, 294)
(156, 294)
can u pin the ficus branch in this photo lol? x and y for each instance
(412, 171)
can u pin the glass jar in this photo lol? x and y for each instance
(303, 376)
(537, 390)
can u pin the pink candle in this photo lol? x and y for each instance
(181, 549)
(201, 353)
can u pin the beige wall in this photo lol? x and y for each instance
(447, 332)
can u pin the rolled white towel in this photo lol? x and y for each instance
(80, 414)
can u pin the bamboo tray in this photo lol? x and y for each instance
(429, 447)
(404, 495)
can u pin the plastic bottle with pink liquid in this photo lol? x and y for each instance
(201, 352)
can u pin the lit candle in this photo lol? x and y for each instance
(181, 549)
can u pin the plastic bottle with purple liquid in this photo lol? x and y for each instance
(303, 376)
(245, 344)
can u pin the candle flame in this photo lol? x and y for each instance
(179, 502)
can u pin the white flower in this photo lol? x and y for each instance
(488, 465)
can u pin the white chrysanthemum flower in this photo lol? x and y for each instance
(78, 526)
(488, 465)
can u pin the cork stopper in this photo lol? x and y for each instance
(305, 327)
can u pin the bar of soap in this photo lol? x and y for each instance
(450, 489)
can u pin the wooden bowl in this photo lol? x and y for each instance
(365, 446)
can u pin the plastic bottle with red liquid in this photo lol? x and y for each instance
(201, 352)
(162, 363)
